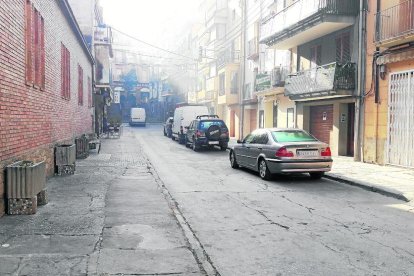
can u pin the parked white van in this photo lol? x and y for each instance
(138, 117)
(183, 116)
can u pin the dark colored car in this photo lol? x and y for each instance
(207, 131)
(271, 151)
(168, 127)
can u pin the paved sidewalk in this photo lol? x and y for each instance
(392, 181)
(110, 218)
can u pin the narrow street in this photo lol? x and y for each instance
(288, 226)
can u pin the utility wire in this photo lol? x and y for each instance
(151, 45)
(146, 55)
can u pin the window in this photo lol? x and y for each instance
(34, 47)
(316, 56)
(234, 89)
(292, 136)
(80, 85)
(65, 72)
(247, 92)
(222, 83)
(89, 92)
(343, 48)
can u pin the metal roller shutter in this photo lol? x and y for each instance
(321, 122)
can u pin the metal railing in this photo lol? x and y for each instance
(279, 75)
(103, 35)
(253, 47)
(227, 57)
(394, 22)
(325, 78)
(302, 10)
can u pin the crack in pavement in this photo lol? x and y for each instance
(260, 212)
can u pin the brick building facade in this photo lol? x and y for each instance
(35, 111)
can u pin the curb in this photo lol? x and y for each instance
(367, 186)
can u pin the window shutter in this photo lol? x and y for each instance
(28, 38)
(67, 73)
(42, 51)
(36, 47)
(62, 70)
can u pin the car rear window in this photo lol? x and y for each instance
(204, 125)
(292, 136)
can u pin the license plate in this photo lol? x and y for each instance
(214, 143)
(307, 153)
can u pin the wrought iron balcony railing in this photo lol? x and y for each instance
(301, 12)
(253, 48)
(322, 81)
(279, 75)
(395, 22)
(227, 57)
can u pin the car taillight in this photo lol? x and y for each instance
(326, 152)
(283, 152)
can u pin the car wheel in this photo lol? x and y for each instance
(223, 147)
(194, 145)
(233, 161)
(264, 170)
(172, 137)
(316, 175)
(187, 144)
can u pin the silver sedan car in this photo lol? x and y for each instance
(273, 150)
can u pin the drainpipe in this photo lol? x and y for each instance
(360, 107)
(243, 66)
(376, 89)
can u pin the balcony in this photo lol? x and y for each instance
(395, 25)
(253, 48)
(278, 76)
(103, 35)
(262, 81)
(327, 81)
(306, 20)
(228, 57)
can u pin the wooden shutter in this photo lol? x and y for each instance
(42, 54)
(28, 41)
(80, 85)
(36, 47)
(62, 70)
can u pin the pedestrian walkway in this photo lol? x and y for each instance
(393, 181)
(388, 180)
(110, 218)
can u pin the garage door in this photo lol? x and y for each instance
(321, 122)
(400, 119)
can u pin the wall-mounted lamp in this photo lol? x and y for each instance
(382, 71)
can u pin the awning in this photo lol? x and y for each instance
(270, 92)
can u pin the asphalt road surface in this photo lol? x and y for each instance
(288, 226)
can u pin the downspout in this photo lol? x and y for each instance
(360, 108)
(376, 89)
(243, 67)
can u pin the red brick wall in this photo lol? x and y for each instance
(33, 121)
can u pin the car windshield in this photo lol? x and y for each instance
(292, 136)
(204, 125)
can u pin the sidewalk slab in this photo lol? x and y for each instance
(110, 217)
(388, 180)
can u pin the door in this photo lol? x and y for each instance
(351, 131)
(232, 123)
(242, 152)
(275, 107)
(321, 122)
(259, 141)
(400, 142)
(253, 119)
(261, 119)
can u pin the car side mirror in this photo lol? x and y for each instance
(239, 142)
